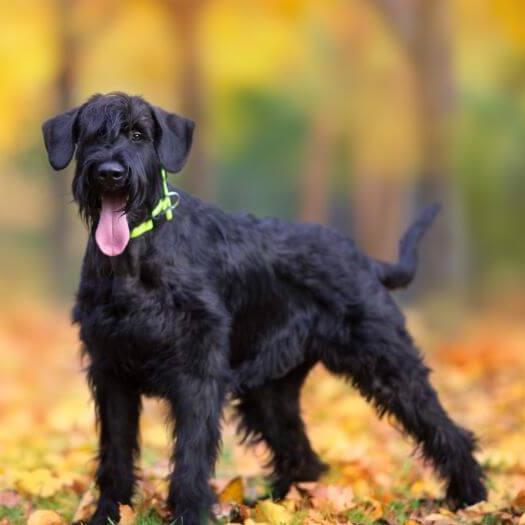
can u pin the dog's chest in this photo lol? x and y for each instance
(126, 326)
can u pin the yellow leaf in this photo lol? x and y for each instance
(233, 492)
(332, 498)
(44, 517)
(483, 507)
(39, 482)
(127, 515)
(272, 513)
(417, 488)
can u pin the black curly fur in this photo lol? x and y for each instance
(212, 302)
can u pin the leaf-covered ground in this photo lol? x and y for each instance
(47, 439)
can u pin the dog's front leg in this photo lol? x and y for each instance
(196, 402)
(118, 408)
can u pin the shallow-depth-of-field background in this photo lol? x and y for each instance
(353, 113)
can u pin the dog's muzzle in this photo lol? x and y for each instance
(111, 175)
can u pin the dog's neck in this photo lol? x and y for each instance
(123, 267)
(127, 264)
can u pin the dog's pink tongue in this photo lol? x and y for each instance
(112, 233)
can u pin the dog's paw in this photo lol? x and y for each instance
(464, 494)
(106, 512)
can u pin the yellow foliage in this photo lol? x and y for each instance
(40, 482)
(51, 454)
(248, 46)
(511, 15)
(269, 512)
(233, 492)
(26, 63)
(44, 517)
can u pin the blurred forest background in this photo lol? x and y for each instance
(353, 113)
(349, 112)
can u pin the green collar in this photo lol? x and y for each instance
(164, 206)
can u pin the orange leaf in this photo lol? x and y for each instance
(334, 498)
(127, 515)
(44, 517)
(85, 508)
(519, 501)
(233, 492)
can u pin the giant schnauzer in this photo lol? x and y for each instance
(180, 300)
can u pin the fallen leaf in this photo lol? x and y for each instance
(438, 519)
(314, 517)
(10, 498)
(518, 503)
(332, 498)
(294, 494)
(376, 512)
(86, 507)
(233, 492)
(39, 482)
(483, 507)
(244, 512)
(127, 515)
(272, 513)
(44, 517)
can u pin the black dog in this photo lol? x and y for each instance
(191, 303)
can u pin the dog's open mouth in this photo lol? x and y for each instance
(112, 233)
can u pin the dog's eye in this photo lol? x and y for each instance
(135, 136)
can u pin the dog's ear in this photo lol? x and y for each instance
(60, 138)
(174, 138)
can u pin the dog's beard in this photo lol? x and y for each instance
(111, 214)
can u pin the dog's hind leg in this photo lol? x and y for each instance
(382, 362)
(271, 413)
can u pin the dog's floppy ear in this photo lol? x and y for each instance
(174, 139)
(60, 138)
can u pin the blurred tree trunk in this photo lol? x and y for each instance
(59, 182)
(382, 137)
(378, 205)
(423, 31)
(315, 181)
(186, 16)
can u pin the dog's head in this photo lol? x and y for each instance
(121, 144)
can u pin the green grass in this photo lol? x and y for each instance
(491, 519)
(15, 515)
(63, 503)
(398, 510)
(149, 518)
(359, 517)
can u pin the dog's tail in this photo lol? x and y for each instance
(400, 274)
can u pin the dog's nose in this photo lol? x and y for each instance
(111, 171)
